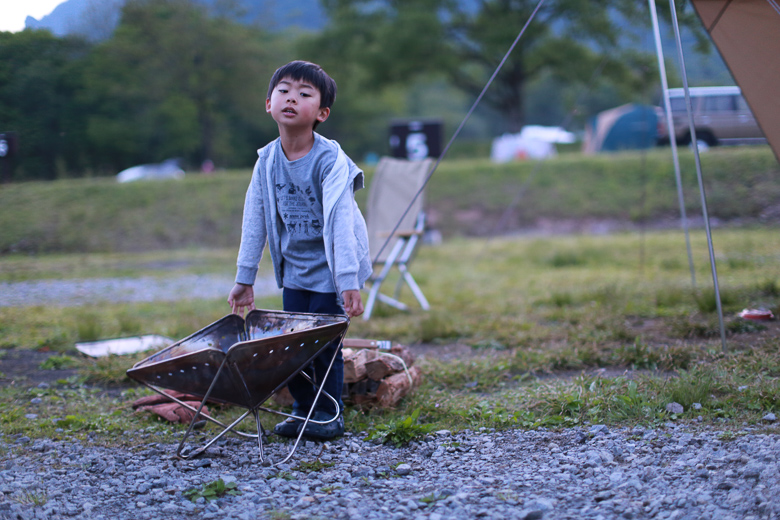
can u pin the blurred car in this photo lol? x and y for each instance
(168, 169)
(721, 116)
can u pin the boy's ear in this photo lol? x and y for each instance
(268, 105)
(323, 114)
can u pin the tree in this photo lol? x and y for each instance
(38, 81)
(574, 42)
(374, 50)
(175, 82)
(396, 40)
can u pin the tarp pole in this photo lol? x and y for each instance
(670, 132)
(695, 144)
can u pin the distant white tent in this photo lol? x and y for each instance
(533, 142)
(169, 169)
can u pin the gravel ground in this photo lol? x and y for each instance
(672, 472)
(69, 293)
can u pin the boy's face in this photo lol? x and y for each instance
(295, 103)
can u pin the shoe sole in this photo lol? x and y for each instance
(311, 432)
(293, 431)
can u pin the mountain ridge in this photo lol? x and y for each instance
(97, 19)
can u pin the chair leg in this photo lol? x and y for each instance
(414, 287)
(392, 302)
(377, 283)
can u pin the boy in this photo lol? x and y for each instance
(301, 202)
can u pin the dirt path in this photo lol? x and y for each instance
(66, 293)
(23, 367)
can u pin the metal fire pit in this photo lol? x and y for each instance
(242, 362)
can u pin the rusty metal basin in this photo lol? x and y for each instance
(242, 361)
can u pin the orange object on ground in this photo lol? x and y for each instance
(169, 410)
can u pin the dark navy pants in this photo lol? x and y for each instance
(303, 392)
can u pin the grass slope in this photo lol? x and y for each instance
(465, 197)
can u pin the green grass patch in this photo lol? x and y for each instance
(213, 490)
(59, 363)
(400, 431)
(611, 339)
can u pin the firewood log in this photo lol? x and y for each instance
(383, 366)
(355, 365)
(393, 388)
(404, 353)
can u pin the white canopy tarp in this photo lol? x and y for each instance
(533, 142)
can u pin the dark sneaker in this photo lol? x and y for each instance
(288, 428)
(324, 432)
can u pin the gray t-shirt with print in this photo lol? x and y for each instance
(298, 186)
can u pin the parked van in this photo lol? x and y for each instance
(720, 116)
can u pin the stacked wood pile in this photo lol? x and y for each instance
(373, 376)
(377, 377)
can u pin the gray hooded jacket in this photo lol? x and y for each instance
(344, 231)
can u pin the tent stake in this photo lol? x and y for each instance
(695, 144)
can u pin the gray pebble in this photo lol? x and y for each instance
(673, 471)
(403, 469)
(676, 408)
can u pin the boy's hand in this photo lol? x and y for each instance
(353, 304)
(242, 297)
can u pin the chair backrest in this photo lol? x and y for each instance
(395, 183)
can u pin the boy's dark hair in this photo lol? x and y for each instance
(309, 72)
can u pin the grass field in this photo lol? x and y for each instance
(465, 198)
(557, 330)
(527, 309)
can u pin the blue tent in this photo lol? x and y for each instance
(627, 127)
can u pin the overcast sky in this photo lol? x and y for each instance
(14, 12)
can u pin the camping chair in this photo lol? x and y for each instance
(395, 184)
(242, 362)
